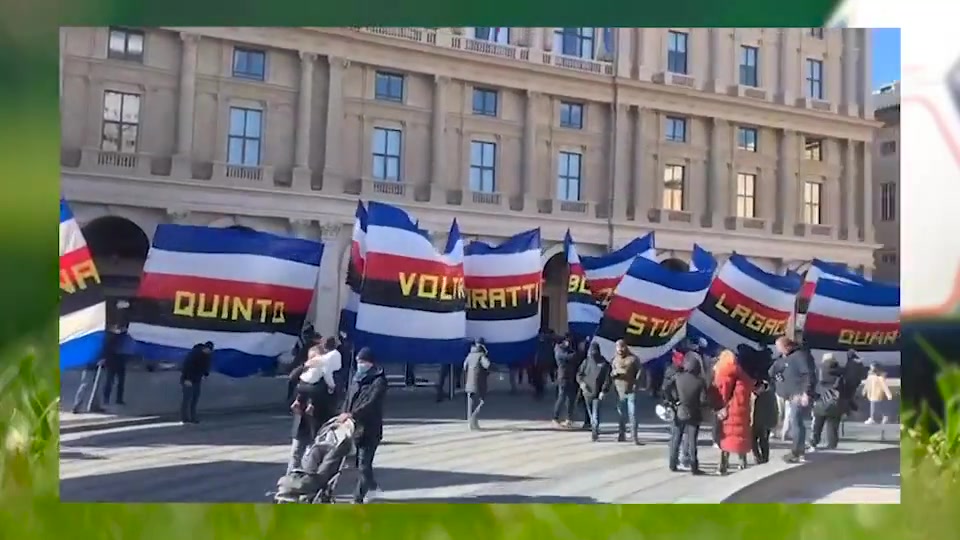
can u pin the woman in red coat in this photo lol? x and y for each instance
(735, 388)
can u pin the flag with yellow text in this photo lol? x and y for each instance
(82, 307)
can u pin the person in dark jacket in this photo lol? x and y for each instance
(829, 406)
(796, 372)
(567, 364)
(764, 420)
(688, 391)
(476, 367)
(593, 377)
(196, 366)
(115, 364)
(546, 361)
(306, 422)
(364, 405)
(300, 354)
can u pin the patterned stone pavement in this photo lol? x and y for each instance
(428, 456)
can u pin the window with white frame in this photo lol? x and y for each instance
(814, 78)
(676, 129)
(387, 148)
(571, 115)
(483, 167)
(746, 195)
(747, 139)
(888, 201)
(125, 44)
(674, 181)
(244, 137)
(677, 52)
(569, 172)
(493, 34)
(813, 149)
(579, 42)
(812, 209)
(249, 63)
(121, 122)
(748, 66)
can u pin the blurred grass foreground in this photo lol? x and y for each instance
(29, 506)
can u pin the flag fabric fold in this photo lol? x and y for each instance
(83, 309)
(354, 279)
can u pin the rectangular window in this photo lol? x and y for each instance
(571, 115)
(243, 140)
(249, 63)
(389, 86)
(677, 52)
(674, 182)
(483, 167)
(888, 147)
(748, 66)
(676, 129)
(746, 195)
(578, 42)
(121, 122)
(888, 201)
(813, 149)
(816, 33)
(812, 211)
(485, 101)
(493, 34)
(888, 258)
(125, 44)
(387, 145)
(814, 79)
(747, 139)
(569, 171)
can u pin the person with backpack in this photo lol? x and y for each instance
(476, 366)
(828, 405)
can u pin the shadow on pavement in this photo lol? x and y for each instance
(500, 499)
(236, 481)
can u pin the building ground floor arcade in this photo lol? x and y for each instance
(119, 219)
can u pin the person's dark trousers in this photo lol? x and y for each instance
(474, 401)
(717, 430)
(293, 382)
(457, 370)
(594, 419)
(118, 375)
(627, 410)
(761, 444)
(798, 429)
(566, 399)
(88, 377)
(683, 440)
(409, 375)
(832, 423)
(188, 402)
(442, 391)
(584, 406)
(365, 479)
(536, 380)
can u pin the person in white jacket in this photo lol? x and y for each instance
(323, 361)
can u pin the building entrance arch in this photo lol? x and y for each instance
(553, 303)
(119, 248)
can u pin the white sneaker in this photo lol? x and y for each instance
(811, 450)
(869, 421)
(373, 495)
(884, 420)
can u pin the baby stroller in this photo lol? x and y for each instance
(316, 481)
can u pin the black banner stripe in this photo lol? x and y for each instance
(831, 342)
(83, 298)
(521, 311)
(581, 298)
(709, 308)
(354, 279)
(613, 330)
(391, 294)
(161, 313)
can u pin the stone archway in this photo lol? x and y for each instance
(553, 305)
(119, 248)
(675, 264)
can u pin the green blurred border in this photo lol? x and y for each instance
(29, 139)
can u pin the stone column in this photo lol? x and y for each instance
(329, 296)
(866, 72)
(849, 62)
(621, 173)
(437, 139)
(641, 181)
(848, 221)
(548, 39)
(301, 155)
(789, 65)
(719, 181)
(527, 184)
(185, 105)
(535, 39)
(716, 53)
(332, 173)
(867, 233)
(787, 182)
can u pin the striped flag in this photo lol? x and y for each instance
(844, 316)
(605, 271)
(651, 304)
(83, 309)
(583, 313)
(830, 270)
(412, 302)
(503, 296)
(745, 305)
(246, 291)
(358, 251)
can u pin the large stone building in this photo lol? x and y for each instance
(749, 140)
(886, 178)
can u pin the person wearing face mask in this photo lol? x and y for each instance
(364, 405)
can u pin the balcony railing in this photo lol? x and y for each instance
(445, 38)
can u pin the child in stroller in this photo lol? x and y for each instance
(316, 480)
